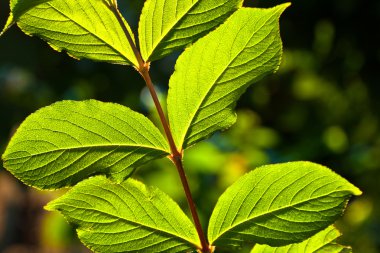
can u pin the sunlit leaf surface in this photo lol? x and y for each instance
(167, 25)
(92, 29)
(211, 75)
(323, 242)
(279, 204)
(61, 144)
(126, 217)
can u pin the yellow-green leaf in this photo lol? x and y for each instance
(323, 242)
(126, 217)
(278, 205)
(167, 25)
(92, 29)
(211, 75)
(62, 144)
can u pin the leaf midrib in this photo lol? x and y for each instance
(250, 219)
(132, 222)
(213, 84)
(166, 33)
(113, 145)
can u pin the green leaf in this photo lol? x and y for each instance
(126, 217)
(279, 204)
(62, 144)
(323, 242)
(92, 29)
(211, 75)
(19, 7)
(167, 25)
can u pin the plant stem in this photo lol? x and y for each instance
(178, 163)
(145, 74)
(176, 157)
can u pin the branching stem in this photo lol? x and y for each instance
(176, 155)
(145, 74)
(179, 165)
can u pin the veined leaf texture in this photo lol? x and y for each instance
(211, 75)
(167, 25)
(92, 29)
(70, 143)
(323, 242)
(279, 204)
(126, 217)
(62, 144)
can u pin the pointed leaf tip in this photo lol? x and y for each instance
(10, 22)
(18, 8)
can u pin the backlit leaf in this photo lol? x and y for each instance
(92, 29)
(279, 204)
(323, 242)
(64, 143)
(167, 25)
(211, 75)
(126, 217)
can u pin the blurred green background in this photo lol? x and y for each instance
(323, 105)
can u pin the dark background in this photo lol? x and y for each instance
(323, 106)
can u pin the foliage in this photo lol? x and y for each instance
(208, 81)
(126, 217)
(279, 204)
(322, 242)
(67, 142)
(64, 143)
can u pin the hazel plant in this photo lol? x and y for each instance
(94, 147)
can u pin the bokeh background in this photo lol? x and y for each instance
(323, 106)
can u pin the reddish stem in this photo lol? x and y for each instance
(178, 163)
(176, 157)
(144, 71)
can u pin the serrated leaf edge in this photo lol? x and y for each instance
(51, 206)
(356, 191)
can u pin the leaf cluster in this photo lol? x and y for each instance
(94, 147)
